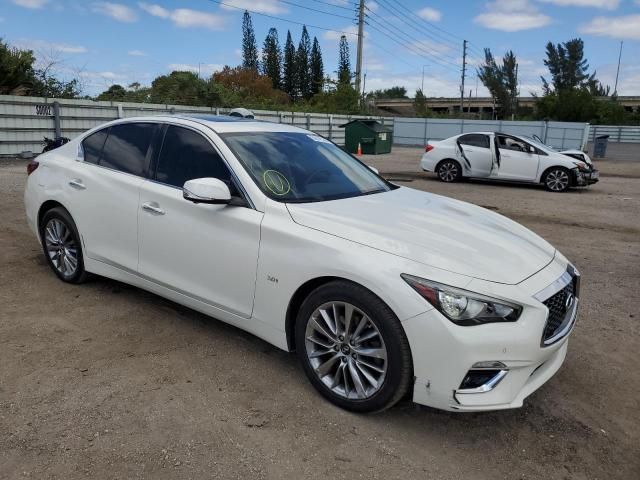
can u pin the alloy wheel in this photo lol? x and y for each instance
(448, 172)
(346, 350)
(557, 180)
(61, 247)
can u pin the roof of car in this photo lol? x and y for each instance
(227, 124)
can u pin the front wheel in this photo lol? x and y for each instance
(449, 171)
(557, 179)
(353, 348)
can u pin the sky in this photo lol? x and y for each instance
(109, 42)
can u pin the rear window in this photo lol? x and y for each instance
(126, 147)
(92, 145)
(475, 140)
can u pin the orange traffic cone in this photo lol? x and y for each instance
(359, 149)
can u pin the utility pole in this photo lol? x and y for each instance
(615, 89)
(360, 40)
(514, 102)
(464, 68)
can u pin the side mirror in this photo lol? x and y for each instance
(374, 169)
(206, 190)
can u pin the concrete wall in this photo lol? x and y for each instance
(24, 121)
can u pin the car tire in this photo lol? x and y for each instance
(557, 179)
(362, 361)
(449, 171)
(62, 246)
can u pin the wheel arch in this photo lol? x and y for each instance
(300, 296)
(45, 207)
(552, 167)
(448, 159)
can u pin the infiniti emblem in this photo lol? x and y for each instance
(569, 301)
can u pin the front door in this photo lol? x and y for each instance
(476, 154)
(518, 159)
(207, 252)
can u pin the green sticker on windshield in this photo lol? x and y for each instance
(276, 182)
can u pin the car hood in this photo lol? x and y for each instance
(434, 230)
(576, 152)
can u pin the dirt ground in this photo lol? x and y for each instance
(107, 381)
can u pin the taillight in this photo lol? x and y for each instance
(31, 166)
(428, 148)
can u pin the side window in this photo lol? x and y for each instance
(475, 140)
(508, 143)
(186, 155)
(92, 145)
(126, 147)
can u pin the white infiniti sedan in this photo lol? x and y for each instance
(383, 291)
(514, 158)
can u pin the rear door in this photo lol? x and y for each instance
(208, 252)
(518, 159)
(476, 148)
(105, 191)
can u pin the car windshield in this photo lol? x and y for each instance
(301, 167)
(535, 140)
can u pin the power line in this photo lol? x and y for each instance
(282, 19)
(351, 9)
(411, 22)
(427, 22)
(315, 9)
(418, 48)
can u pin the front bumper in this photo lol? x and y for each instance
(582, 179)
(444, 353)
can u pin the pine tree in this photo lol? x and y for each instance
(249, 46)
(303, 70)
(272, 58)
(317, 68)
(344, 63)
(289, 67)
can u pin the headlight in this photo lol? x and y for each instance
(461, 306)
(581, 166)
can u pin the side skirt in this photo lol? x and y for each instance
(255, 327)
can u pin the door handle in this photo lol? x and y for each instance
(150, 207)
(77, 183)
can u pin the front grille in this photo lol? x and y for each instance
(558, 308)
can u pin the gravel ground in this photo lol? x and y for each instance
(107, 381)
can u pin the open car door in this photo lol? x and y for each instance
(475, 150)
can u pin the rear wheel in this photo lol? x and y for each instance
(449, 171)
(353, 348)
(61, 245)
(557, 179)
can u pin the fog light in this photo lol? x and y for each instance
(490, 364)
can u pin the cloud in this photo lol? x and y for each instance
(615, 27)
(117, 11)
(205, 69)
(136, 53)
(512, 16)
(605, 4)
(261, 6)
(33, 4)
(43, 45)
(430, 14)
(185, 17)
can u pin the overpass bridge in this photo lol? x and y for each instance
(477, 105)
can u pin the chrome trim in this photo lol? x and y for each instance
(565, 279)
(101, 259)
(572, 315)
(487, 387)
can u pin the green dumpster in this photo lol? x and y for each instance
(373, 137)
